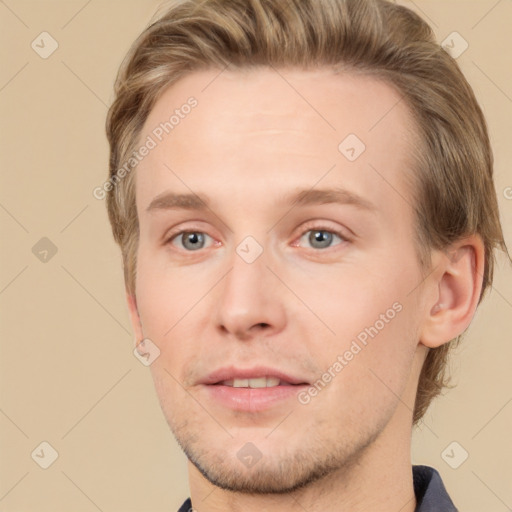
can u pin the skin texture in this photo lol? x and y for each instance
(254, 138)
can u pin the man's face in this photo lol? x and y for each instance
(262, 285)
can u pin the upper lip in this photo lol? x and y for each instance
(232, 372)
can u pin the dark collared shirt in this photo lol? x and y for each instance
(431, 495)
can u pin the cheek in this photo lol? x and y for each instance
(164, 295)
(366, 379)
(374, 317)
(172, 316)
(354, 297)
(170, 393)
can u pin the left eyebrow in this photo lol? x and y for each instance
(329, 196)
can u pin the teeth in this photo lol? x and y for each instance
(260, 382)
(240, 383)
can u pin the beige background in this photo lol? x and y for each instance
(68, 375)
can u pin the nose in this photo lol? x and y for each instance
(251, 300)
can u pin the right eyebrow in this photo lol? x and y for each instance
(171, 200)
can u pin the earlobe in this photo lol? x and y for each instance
(134, 316)
(458, 283)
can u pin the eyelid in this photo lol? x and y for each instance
(180, 228)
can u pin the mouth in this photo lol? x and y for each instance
(251, 390)
(255, 377)
(255, 383)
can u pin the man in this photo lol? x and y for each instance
(302, 192)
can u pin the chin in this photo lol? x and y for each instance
(269, 478)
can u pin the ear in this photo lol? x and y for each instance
(134, 316)
(456, 287)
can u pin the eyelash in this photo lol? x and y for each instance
(307, 228)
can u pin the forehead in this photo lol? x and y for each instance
(262, 126)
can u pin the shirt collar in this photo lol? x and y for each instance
(431, 494)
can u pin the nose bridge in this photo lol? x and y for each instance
(250, 298)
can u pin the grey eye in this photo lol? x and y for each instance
(192, 240)
(320, 238)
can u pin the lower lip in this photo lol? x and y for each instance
(252, 399)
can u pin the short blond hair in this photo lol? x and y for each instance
(454, 192)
